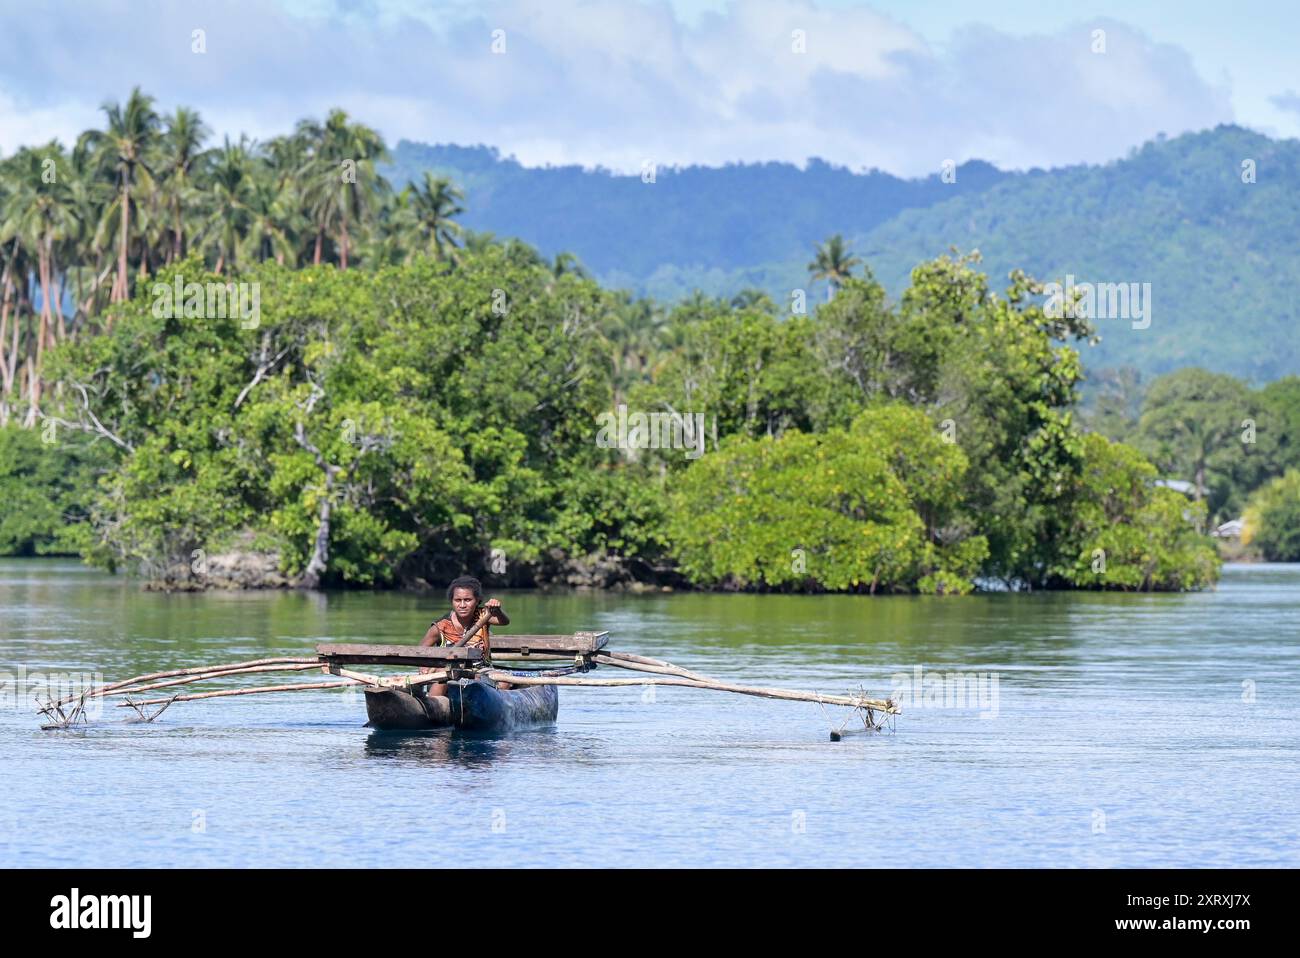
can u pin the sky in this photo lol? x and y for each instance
(899, 85)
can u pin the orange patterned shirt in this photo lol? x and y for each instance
(447, 631)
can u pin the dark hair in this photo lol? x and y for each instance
(465, 582)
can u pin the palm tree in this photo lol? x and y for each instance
(284, 159)
(633, 329)
(342, 189)
(38, 213)
(833, 263)
(179, 168)
(231, 194)
(566, 263)
(427, 213)
(10, 266)
(12, 300)
(125, 149)
(90, 195)
(271, 230)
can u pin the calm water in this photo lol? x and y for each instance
(1124, 735)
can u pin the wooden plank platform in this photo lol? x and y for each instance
(540, 646)
(413, 655)
(579, 643)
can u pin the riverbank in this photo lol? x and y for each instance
(253, 571)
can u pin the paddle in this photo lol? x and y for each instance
(473, 629)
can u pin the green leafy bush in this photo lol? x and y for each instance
(857, 509)
(1124, 532)
(1273, 519)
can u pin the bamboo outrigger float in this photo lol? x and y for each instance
(480, 694)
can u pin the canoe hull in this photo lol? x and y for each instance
(480, 706)
(399, 710)
(472, 705)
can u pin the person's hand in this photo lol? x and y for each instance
(493, 603)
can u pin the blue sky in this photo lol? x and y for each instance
(902, 86)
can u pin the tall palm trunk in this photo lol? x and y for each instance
(119, 285)
(43, 331)
(178, 250)
(31, 381)
(11, 371)
(76, 302)
(6, 375)
(6, 369)
(58, 331)
(29, 420)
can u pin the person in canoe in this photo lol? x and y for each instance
(467, 607)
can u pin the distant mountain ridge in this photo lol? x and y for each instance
(692, 216)
(1222, 255)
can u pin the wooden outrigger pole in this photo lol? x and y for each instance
(454, 667)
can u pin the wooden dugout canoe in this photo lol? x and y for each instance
(475, 705)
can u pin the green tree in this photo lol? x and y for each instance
(343, 189)
(1000, 378)
(272, 225)
(1193, 425)
(1273, 519)
(873, 508)
(179, 167)
(428, 208)
(1124, 532)
(40, 215)
(1279, 425)
(230, 219)
(124, 150)
(373, 428)
(1116, 403)
(747, 370)
(45, 488)
(834, 263)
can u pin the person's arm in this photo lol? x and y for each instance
(499, 616)
(431, 637)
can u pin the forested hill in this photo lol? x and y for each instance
(728, 218)
(1222, 255)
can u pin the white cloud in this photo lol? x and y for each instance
(1289, 101)
(25, 126)
(613, 82)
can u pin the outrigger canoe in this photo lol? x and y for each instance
(475, 699)
(470, 704)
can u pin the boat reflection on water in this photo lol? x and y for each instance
(450, 746)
